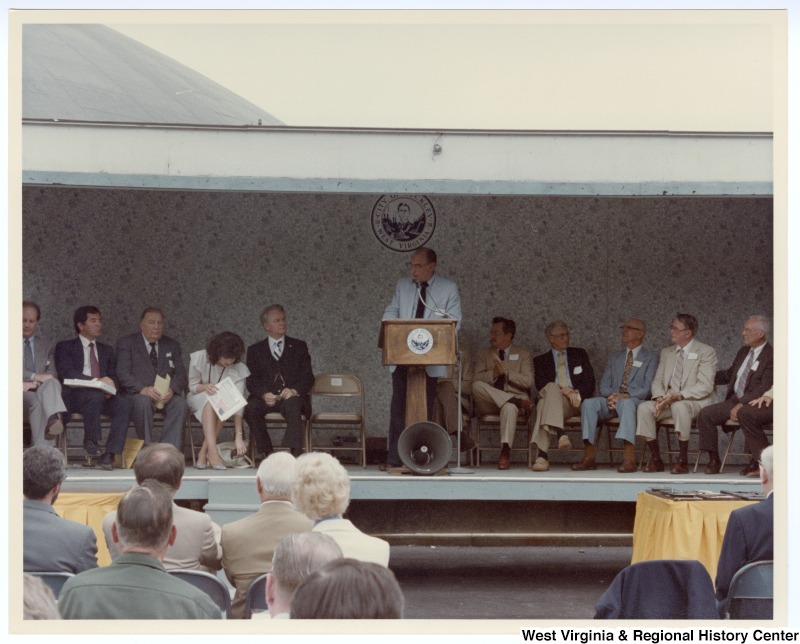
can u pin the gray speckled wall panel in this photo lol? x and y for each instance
(213, 260)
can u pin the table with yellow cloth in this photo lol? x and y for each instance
(681, 529)
(89, 509)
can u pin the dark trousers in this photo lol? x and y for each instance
(92, 403)
(397, 419)
(752, 421)
(292, 409)
(709, 418)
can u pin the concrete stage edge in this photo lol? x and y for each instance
(488, 507)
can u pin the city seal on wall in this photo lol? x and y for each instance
(420, 341)
(403, 222)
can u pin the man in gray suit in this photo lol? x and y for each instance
(683, 385)
(42, 404)
(625, 384)
(141, 357)
(51, 543)
(422, 295)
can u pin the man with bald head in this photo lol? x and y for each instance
(748, 378)
(625, 384)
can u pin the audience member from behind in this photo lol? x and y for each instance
(248, 545)
(51, 543)
(321, 491)
(749, 534)
(38, 601)
(349, 589)
(296, 557)
(42, 404)
(196, 545)
(136, 585)
(220, 359)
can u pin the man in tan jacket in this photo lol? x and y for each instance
(502, 382)
(248, 544)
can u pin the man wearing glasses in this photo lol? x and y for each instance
(624, 386)
(426, 295)
(564, 377)
(748, 378)
(683, 385)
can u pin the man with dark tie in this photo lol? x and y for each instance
(422, 295)
(564, 377)
(141, 357)
(280, 381)
(748, 378)
(84, 358)
(502, 382)
(42, 403)
(625, 384)
(683, 385)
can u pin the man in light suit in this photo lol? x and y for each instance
(749, 535)
(502, 382)
(196, 545)
(142, 356)
(748, 378)
(248, 544)
(42, 404)
(422, 295)
(683, 385)
(280, 381)
(625, 384)
(564, 377)
(51, 543)
(84, 358)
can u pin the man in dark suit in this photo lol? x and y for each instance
(141, 357)
(748, 378)
(42, 403)
(83, 358)
(749, 535)
(564, 377)
(51, 543)
(280, 381)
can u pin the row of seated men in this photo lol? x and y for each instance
(638, 387)
(277, 374)
(149, 533)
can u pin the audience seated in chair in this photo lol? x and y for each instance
(136, 584)
(321, 491)
(51, 543)
(248, 545)
(38, 601)
(197, 544)
(349, 589)
(296, 557)
(749, 533)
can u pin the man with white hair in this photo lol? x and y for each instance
(248, 545)
(296, 557)
(136, 585)
(749, 533)
(748, 378)
(321, 491)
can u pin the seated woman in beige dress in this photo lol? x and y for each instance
(219, 360)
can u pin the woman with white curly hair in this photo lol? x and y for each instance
(321, 491)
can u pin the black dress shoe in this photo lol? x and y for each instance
(92, 448)
(106, 462)
(751, 469)
(466, 442)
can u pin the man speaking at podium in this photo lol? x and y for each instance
(422, 295)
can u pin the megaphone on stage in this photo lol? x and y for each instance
(424, 448)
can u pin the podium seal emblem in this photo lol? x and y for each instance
(403, 222)
(420, 341)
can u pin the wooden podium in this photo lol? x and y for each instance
(416, 344)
